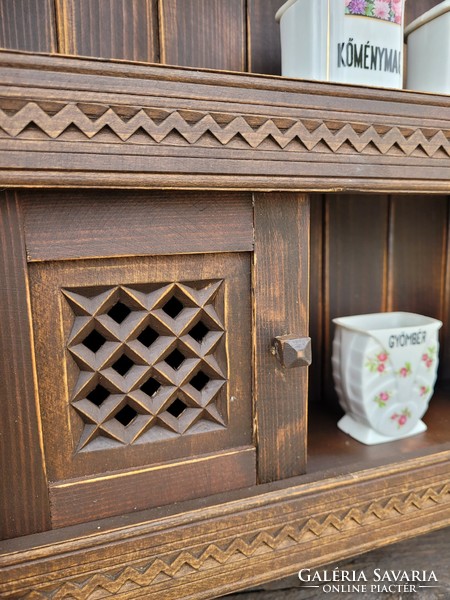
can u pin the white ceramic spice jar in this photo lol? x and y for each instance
(384, 369)
(350, 41)
(428, 61)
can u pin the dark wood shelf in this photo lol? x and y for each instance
(72, 123)
(332, 451)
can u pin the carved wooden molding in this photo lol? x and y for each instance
(142, 576)
(312, 135)
(276, 526)
(79, 122)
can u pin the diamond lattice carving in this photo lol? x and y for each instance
(151, 362)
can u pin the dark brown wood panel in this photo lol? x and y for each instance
(84, 434)
(430, 551)
(99, 124)
(416, 8)
(330, 450)
(444, 358)
(356, 233)
(316, 295)
(203, 33)
(418, 261)
(264, 48)
(80, 224)
(24, 506)
(281, 274)
(28, 25)
(137, 490)
(196, 550)
(110, 29)
(417, 254)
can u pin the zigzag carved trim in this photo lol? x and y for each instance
(141, 576)
(71, 115)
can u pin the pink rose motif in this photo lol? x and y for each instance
(381, 368)
(425, 357)
(382, 399)
(405, 371)
(401, 418)
(423, 390)
(382, 357)
(429, 363)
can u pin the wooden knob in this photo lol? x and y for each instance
(292, 351)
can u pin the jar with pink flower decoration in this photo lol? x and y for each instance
(348, 41)
(384, 369)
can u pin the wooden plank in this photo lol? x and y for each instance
(330, 450)
(125, 29)
(418, 261)
(28, 25)
(93, 123)
(356, 233)
(203, 33)
(430, 551)
(264, 48)
(417, 8)
(316, 296)
(417, 254)
(81, 224)
(444, 355)
(24, 507)
(196, 549)
(147, 488)
(69, 373)
(281, 278)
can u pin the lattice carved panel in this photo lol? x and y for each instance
(151, 362)
(142, 361)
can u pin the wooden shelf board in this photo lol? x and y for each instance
(329, 449)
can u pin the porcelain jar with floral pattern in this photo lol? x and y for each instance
(349, 41)
(384, 369)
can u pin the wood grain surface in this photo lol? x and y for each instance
(125, 29)
(281, 275)
(263, 37)
(24, 506)
(356, 233)
(197, 549)
(428, 553)
(418, 7)
(28, 25)
(81, 224)
(59, 372)
(109, 125)
(203, 33)
(316, 296)
(127, 492)
(417, 254)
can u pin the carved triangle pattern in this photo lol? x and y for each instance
(151, 362)
(225, 128)
(139, 576)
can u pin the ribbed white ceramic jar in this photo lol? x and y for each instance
(428, 39)
(350, 41)
(384, 368)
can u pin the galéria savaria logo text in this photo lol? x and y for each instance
(377, 581)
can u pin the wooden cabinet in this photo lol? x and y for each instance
(145, 311)
(155, 241)
(159, 228)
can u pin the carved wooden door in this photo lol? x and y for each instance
(152, 318)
